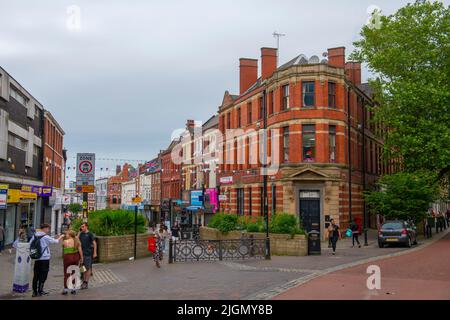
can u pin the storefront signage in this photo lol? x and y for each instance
(309, 194)
(3, 196)
(13, 196)
(211, 199)
(226, 180)
(28, 195)
(196, 198)
(41, 191)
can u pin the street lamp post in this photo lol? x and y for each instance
(265, 204)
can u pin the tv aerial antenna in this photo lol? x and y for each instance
(278, 36)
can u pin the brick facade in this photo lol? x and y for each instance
(315, 103)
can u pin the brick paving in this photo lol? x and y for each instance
(249, 279)
(420, 274)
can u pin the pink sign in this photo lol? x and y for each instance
(213, 201)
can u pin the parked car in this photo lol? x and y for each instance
(397, 232)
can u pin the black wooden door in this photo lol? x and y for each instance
(310, 214)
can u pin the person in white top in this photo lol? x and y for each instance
(42, 264)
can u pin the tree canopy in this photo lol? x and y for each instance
(403, 195)
(408, 53)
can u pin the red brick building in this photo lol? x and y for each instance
(53, 169)
(114, 187)
(170, 180)
(319, 129)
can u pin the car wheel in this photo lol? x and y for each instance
(380, 244)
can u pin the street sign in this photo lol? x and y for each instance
(85, 169)
(3, 196)
(222, 197)
(137, 199)
(226, 180)
(87, 189)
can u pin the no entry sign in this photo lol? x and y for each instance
(85, 169)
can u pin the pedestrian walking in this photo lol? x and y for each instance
(334, 234)
(166, 235)
(2, 238)
(355, 233)
(72, 256)
(89, 249)
(158, 254)
(40, 251)
(329, 230)
(175, 231)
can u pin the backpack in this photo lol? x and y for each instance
(36, 248)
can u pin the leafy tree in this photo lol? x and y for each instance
(75, 208)
(403, 195)
(409, 55)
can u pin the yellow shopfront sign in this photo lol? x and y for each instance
(15, 196)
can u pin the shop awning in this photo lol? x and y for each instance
(194, 208)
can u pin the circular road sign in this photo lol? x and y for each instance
(85, 167)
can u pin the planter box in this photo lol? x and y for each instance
(119, 248)
(280, 244)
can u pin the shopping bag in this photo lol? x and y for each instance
(151, 244)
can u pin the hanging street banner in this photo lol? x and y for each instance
(85, 169)
(3, 196)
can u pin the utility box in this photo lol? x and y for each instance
(314, 243)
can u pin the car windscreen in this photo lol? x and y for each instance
(392, 225)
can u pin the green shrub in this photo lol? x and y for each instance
(285, 223)
(224, 222)
(112, 223)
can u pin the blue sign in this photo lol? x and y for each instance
(196, 196)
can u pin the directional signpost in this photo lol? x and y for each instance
(85, 177)
(136, 201)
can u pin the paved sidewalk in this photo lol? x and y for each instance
(250, 279)
(421, 274)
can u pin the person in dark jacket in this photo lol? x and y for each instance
(355, 233)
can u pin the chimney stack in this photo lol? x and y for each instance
(336, 57)
(353, 72)
(190, 124)
(268, 62)
(248, 73)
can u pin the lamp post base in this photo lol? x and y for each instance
(267, 248)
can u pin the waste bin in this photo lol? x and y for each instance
(314, 243)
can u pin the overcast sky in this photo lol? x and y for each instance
(136, 70)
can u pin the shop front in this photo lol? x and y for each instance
(20, 210)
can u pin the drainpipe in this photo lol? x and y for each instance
(349, 156)
(364, 170)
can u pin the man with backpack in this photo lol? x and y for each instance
(40, 252)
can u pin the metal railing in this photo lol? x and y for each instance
(216, 250)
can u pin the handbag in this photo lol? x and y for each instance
(349, 232)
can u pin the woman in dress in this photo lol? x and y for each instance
(72, 256)
(159, 237)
